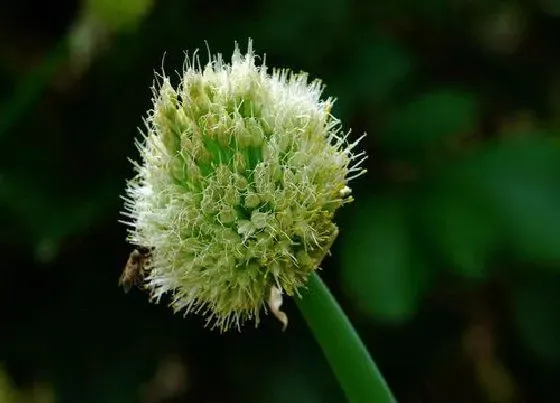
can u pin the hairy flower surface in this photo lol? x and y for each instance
(241, 174)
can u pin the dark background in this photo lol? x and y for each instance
(448, 263)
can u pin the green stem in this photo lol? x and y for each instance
(350, 361)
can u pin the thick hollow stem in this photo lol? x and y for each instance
(350, 361)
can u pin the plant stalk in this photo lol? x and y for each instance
(359, 377)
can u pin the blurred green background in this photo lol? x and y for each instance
(448, 263)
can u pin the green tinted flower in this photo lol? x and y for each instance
(241, 174)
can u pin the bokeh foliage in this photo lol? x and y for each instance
(448, 261)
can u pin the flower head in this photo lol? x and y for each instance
(241, 174)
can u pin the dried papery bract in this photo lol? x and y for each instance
(241, 173)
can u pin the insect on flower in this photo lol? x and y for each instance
(134, 271)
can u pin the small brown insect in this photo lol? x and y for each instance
(134, 271)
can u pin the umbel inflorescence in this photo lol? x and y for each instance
(241, 173)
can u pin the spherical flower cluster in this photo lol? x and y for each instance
(241, 174)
